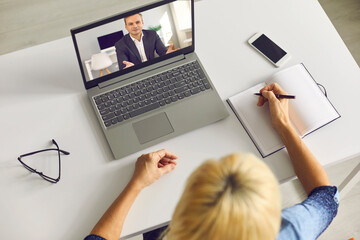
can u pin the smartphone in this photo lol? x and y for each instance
(270, 50)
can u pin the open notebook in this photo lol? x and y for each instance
(308, 112)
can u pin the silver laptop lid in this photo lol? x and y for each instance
(123, 43)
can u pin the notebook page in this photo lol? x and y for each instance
(311, 109)
(256, 120)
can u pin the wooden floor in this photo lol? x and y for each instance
(345, 16)
(26, 23)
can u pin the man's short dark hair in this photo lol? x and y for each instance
(133, 15)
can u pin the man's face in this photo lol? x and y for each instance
(134, 24)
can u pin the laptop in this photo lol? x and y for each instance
(147, 85)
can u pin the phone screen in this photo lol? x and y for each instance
(269, 48)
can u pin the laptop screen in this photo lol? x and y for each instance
(126, 42)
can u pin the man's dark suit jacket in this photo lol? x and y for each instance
(127, 51)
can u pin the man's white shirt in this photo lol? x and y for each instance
(140, 47)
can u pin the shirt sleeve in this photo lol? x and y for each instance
(94, 237)
(307, 220)
(159, 46)
(120, 55)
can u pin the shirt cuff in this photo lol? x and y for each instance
(94, 237)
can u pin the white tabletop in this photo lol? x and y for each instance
(42, 97)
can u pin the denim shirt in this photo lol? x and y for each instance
(310, 218)
(304, 221)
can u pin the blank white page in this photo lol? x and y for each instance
(311, 109)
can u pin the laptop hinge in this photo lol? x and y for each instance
(141, 71)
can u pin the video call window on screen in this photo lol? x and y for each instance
(117, 45)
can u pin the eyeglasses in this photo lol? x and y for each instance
(47, 178)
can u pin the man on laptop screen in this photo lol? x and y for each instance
(138, 45)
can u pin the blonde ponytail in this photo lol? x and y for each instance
(234, 198)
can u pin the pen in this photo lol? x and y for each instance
(279, 96)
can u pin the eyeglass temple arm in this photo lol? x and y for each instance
(44, 150)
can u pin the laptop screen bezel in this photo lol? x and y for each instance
(97, 81)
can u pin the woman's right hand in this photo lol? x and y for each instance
(279, 108)
(150, 167)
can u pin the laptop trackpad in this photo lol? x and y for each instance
(152, 128)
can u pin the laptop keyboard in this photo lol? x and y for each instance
(166, 88)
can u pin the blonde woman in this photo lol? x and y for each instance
(237, 197)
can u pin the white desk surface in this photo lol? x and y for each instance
(42, 97)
